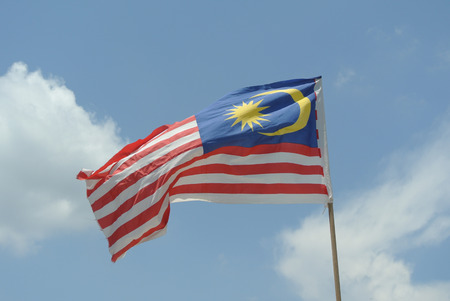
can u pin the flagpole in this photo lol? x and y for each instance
(337, 285)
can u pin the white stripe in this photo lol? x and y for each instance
(274, 178)
(90, 184)
(108, 185)
(281, 157)
(108, 169)
(251, 198)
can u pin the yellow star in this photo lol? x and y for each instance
(247, 114)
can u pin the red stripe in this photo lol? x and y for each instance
(267, 149)
(138, 174)
(162, 225)
(82, 175)
(279, 188)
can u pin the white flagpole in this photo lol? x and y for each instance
(337, 285)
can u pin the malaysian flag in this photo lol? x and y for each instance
(261, 144)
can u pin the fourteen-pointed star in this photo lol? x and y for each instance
(247, 114)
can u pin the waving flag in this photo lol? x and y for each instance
(261, 144)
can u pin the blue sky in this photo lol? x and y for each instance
(80, 79)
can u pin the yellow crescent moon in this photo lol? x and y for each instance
(305, 110)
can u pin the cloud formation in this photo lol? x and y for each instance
(408, 207)
(45, 138)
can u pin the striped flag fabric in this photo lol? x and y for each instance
(261, 144)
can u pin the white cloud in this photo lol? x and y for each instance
(45, 139)
(408, 208)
